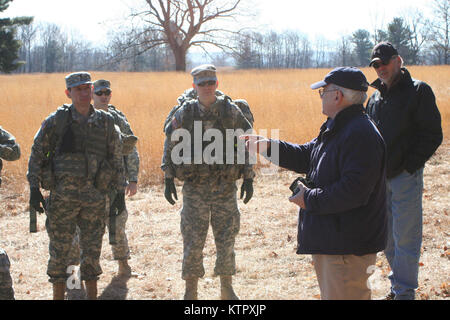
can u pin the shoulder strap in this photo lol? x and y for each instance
(190, 114)
(110, 123)
(245, 108)
(63, 120)
(225, 113)
(117, 111)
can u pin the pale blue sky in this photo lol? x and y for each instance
(328, 18)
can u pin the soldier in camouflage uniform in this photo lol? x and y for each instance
(209, 190)
(10, 151)
(102, 94)
(86, 164)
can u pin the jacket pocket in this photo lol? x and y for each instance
(104, 177)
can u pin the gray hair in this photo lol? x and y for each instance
(350, 95)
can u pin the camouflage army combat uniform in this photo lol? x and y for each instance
(10, 151)
(209, 191)
(76, 199)
(6, 285)
(120, 250)
(131, 164)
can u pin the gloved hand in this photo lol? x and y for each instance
(119, 203)
(1, 167)
(169, 190)
(131, 189)
(36, 199)
(247, 188)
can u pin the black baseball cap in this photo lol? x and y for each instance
(346, 77)
(383, 51)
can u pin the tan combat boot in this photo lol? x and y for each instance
(91, 289)
(59, 289)
(226, 288)
(191, 289)
(124, 268)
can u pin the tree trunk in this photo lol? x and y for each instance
(180, 59)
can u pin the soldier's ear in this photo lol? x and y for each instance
(68, 94)
(193, 86)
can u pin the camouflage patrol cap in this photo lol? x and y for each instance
(205, 72)
(101, 84)
(77, 78)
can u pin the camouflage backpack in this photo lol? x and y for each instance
(192, 94)
(128, 140)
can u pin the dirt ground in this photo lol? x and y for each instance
(268, 268)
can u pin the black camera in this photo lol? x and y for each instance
(294, 185)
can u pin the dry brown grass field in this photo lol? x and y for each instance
(268, 267)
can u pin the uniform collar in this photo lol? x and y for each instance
(78, 117)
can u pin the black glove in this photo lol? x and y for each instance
(119, 203)
(1, 167)
(247, 187)
(169, 190)
(36, 199)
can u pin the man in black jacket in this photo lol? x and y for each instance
(342, 220)
(406, 114)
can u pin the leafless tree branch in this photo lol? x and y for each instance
(184, 23)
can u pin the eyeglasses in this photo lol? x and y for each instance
(207, 83)
(380, 63)
(322, 92)
(100, 93)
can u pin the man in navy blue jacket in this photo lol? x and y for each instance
(342, 219)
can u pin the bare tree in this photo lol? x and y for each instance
(52, 36)
(441, 30)
(378, 26)
(322, 52)
(344, 51)
(27, 35)
(419, 28)
(182, 24)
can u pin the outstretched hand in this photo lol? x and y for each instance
(255, 143)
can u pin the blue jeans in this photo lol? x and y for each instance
(404, 208)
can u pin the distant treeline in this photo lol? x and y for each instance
(48, 48)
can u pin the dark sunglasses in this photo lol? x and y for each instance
(207, 83)
(106, 93)
(378, 64)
